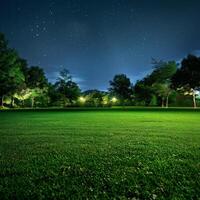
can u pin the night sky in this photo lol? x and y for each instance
(96, 39)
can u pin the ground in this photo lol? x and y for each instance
(106, 154)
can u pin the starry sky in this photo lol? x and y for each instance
(96, 39)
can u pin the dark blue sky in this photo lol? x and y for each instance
(96, 39)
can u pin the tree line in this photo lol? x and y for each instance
(169, 83)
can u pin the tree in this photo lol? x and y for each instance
(187, 77)
(121, 87)
(3, 67)
(162, 90)
(160, 79)
(36, 77)
(11, 76)
(3, 43)
(158, 83)
(94, 97)
(35, 93)
(53, 94)
(65, 75)
(36, 82)
(143, 91)
(22, 95)
(69, 91)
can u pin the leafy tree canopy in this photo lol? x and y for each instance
(121, 86)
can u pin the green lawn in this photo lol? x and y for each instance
(116, 154)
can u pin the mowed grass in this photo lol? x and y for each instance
(139, 154)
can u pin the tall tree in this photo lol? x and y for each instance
(36, 82)
(36, 77)
(3, 43)
(11, 75)
(187, 77)
(53, 94)
(160, 79)
(121, 87)
(143, 91)
(69, 90)
(3, 69)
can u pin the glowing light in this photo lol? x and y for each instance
(114, 99)
(197, 92)
(105, 102)
(82, 99)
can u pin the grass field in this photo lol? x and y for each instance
(116, 154)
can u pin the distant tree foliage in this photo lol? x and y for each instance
(36, 77)
(67, 89)
(157, 84)
(161, 79)
(121, 87)
(27, 86)
(95, 98)
(187, 77)
(143, 92)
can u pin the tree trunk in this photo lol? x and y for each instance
(22, 102)
(12, 102)
(163, 102)
(32, 102)
(2, 97)
(167, 101)
(194, 101)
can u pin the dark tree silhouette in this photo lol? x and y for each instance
(143, 91)
(160, 79)
(69, 91)
(36, 81)
(121, 87)
(36, 77)
(187, 78)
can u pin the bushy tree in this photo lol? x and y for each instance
(121, 87)
(11, 75)
(143, 92)
(160, 79)
(93, 98)
(36, 77)
(187, 78)
(158, 83)
(36, 82)
(68, 90)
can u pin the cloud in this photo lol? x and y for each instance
(78, 79)
(196, 52)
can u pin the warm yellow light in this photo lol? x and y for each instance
(105, 102)
(114, 99)
(82, 99)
